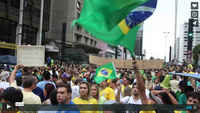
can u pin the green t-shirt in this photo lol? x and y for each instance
(182, 99)
(178, 93)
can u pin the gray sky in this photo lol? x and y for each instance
(162, 21)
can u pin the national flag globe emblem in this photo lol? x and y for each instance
(104, 72)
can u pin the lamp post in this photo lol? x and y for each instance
(176, 11)
(39, 35)
(20, 24)
(166, 36)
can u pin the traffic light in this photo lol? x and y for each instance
(190, 28)
(190, 34)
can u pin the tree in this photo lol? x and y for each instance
(151, 58)
(195, 54)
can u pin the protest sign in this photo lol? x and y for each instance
(142, 64)
(30, 55)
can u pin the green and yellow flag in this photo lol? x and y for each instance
(105, 72)
(115, 22)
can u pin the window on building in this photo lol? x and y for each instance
(95, 43)
(78, 5)
(78, 27)
(4, 1)
(78, 15)
(197, 31)
(91, 42)
(15, 3)
(86, 40)
(78, 37)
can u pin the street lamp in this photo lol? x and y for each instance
(176, 11)
(166, 36)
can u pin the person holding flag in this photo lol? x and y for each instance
(103, 76)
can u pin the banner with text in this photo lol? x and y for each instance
(31, 55)
(142, 64)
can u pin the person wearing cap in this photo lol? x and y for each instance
(66, 78)
(84, 97)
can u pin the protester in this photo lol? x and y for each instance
(84, 97)
(94, 91)
(75, 84)
(12, 95)
(64, 97)
(47, 91)
(46, 77)
(28, 84)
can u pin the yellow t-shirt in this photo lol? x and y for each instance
(78, 100)
(155, 112)
(108, 93)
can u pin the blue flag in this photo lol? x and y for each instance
(187, 75)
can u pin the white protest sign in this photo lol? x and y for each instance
(30, 55)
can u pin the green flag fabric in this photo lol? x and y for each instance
(105, 20)
(105, 72)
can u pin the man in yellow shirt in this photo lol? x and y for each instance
(84, 97)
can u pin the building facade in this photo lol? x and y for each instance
(70, 40)
(183, 41)
(139, 44)
(9, 17)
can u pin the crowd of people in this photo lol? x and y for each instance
(74, 84)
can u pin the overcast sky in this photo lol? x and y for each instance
(163, 20)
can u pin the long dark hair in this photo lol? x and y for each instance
(49, 88)
(96, 85)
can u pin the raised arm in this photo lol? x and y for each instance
(13, 74)
(140, 84)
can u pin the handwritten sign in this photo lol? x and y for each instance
(142, 64)
(30, 55)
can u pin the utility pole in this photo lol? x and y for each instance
(176, 9)
(20, 24)
(39, 36)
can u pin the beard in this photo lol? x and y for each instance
(136, 94)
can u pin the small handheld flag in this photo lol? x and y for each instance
(105, 72)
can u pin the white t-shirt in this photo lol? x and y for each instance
(4, 84)
(125, 100)
(131, 101)
(75, 92)
(30, 98)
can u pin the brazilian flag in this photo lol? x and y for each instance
(105, 72)
(116, 22)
